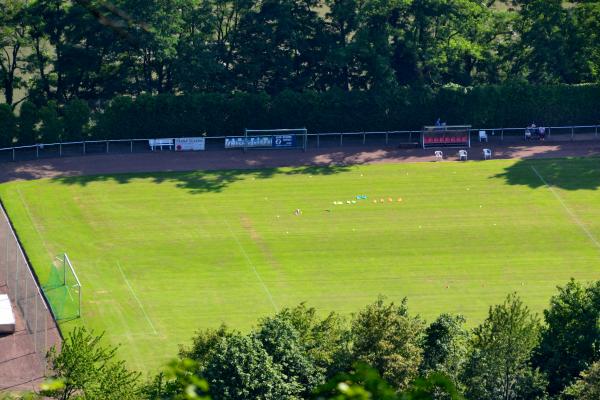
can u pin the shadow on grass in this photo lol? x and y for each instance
(563, 173)
(198, 182)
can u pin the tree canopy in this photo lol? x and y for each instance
(94, 50)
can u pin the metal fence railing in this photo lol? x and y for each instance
(39, 332)
(314, 140)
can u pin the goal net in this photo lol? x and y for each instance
(63, 289)
(269, 139)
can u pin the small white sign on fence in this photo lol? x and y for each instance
(190, 144)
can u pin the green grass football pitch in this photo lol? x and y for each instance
(163, 255)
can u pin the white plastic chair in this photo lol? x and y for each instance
(439, 155)
(487, 154)
(483, 137)
(462, 155)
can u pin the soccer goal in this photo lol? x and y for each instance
(270, 139)
(63, 289)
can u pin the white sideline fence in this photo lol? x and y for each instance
(314, 140)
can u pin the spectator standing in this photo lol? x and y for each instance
(542, 132)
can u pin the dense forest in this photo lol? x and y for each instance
(94, 50)
(381, 352)
(63, 62)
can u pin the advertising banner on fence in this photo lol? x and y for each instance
(284, 141)
(278, 141)
(237, 142)
(190, 144)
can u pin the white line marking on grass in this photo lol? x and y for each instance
(266, 289)
(574, 216)
(136, 298)
(33, 223)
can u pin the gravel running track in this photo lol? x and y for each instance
(162, 161)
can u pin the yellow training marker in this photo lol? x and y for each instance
(399, 199)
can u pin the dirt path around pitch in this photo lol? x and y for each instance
(167, 161)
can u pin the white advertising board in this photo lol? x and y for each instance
(7, 318)
(190, 144)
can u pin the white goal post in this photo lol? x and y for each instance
(275, 139)
(63, 289)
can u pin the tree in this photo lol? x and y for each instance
(76, 119)
(8, 125)
(204, 344)
(324, 340)
(554, 41)
(240, 368)
(386, 337)
(588, 21)
(85, 369)
(180, 381)
(445, 346)
(51, 129)
(587, 386)
(339, 64)
(301, 346)
(365, 383)
(570, 341)
(284, 344)
(13, 39)
(208, 45)
(498, 366)
(28, 120)
(280, 46)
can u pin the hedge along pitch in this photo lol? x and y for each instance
(167, 115)
(335, 110)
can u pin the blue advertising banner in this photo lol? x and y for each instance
(284, 141)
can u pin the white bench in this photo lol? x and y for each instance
(154, 143)
(7, 318)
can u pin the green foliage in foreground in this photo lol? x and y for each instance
(498, 366)
(574, 313)
(274, 361)
(587, 386)
(161, 255)
(84, 368)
